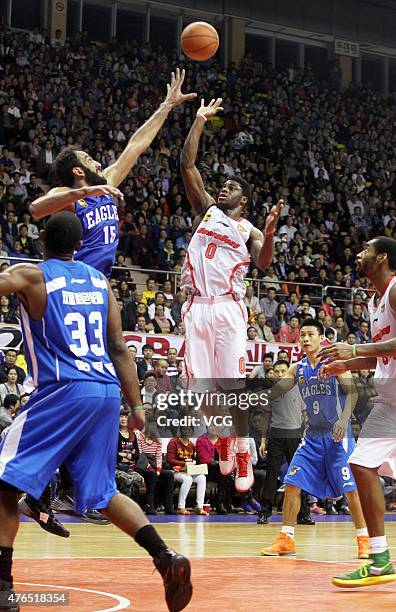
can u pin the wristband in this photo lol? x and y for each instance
(354, 350)
(138, 408)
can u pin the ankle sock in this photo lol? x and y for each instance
(148, 538)
(6, 563)
(289, 530)
(378, 544)
(362, 532)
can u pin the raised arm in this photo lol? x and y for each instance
(144, 136)
(122, 360)
(198, 197)
(261, 244)
(64, 198)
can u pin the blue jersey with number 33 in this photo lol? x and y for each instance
(324, 399)
(69, 342)
(99, 220)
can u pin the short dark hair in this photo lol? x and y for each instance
(246, 190)
(147, 346)
(309, 322)
(281, 362)
(269, 356)
(10, 400)
(63, 232)
(11, 350)
(382, 244)
(63, 165)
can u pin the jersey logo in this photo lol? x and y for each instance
(82, 203)
(207, 216)
(301, 380)
(293, 470)
(79, 281)
(240, 228)
(348, 484)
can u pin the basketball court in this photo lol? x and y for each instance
(103, 570)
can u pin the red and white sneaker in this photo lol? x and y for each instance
(226, 452)
(244, 478)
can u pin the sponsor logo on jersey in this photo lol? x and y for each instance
(348, 484)
(207, 216)
(301, 380)
(82, 203)
(293, 470)
(219, 237)
(240, 228)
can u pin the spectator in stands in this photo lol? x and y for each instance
(363, 335)
(149, 388)
(259, 371)
(252, 301)
(9, 362)
(11, 387)
(163, 381)
(290, 332)
(7, 313)
(263, 330)
(148, 295)
(172, 369)
(176, 310)
(128, 480)
(8, 411)
(145, 364)
(280, 319)
(179, 454)
(161, 324)
(269, 305)
(206, 452)
(252, 334)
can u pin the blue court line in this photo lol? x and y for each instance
(219, 518)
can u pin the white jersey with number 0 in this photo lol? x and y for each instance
(217, 257)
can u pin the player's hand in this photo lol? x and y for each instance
(211, 109)
(261, 451)
(339, 430)
(98, 190)
(175, 95)
(273, 217)
(336, 368)
(337, 351)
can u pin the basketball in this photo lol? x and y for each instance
(199, 41)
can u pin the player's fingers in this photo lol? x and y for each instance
(189, 96)
(202, 102)
(182, 76)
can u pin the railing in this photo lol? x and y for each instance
(317, 292)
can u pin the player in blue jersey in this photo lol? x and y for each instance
(92, 193)
(78, 358)
(320, 464)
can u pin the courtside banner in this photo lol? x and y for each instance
(11, 337)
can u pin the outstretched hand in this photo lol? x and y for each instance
(211, 109)
(339, 351)
(273, 218)
(174, 94)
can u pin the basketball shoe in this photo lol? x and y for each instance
(379, 570)
(8, 602)
(224, 447)
(363, 547)
(41, 512)
(284, 545)
(176, 574)
(244, 478)
(63, 504)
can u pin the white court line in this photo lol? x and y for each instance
(123, 602)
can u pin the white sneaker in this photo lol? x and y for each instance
(224, 447)
(244, 478)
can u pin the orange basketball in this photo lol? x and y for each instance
(199, 41)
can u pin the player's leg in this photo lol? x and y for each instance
(365, 461)
(291, 444)
(230, 349)
(9, 521)
(342, 482)
(92, 466)
(306, 472)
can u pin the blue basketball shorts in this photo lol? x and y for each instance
(75, 423)
(320, 466)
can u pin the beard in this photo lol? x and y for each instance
(93, 178)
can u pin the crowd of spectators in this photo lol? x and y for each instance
(330, 153)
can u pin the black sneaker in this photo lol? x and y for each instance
(64, 504)
(7, 598)
(262, 519)
(42, 513)
(95, 517)
(305, 519)
(176, 572)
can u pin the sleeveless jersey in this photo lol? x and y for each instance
(383, 327)
(99, 220)
(324, 399)
(69, 343)
(217, 257)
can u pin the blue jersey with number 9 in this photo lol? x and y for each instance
(324, 399)
(99, 220)
(69, 343)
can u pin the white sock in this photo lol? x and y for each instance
(289, 530)
(242, 445)
(378, 544)
(362, 531)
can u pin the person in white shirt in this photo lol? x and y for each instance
(251, 300)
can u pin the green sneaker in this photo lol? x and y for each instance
(367, 575)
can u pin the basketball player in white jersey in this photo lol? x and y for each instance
(375, 453)
(216, 263)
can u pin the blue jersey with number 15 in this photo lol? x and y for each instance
(324, 399)
(69, 343)
(99, 220)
